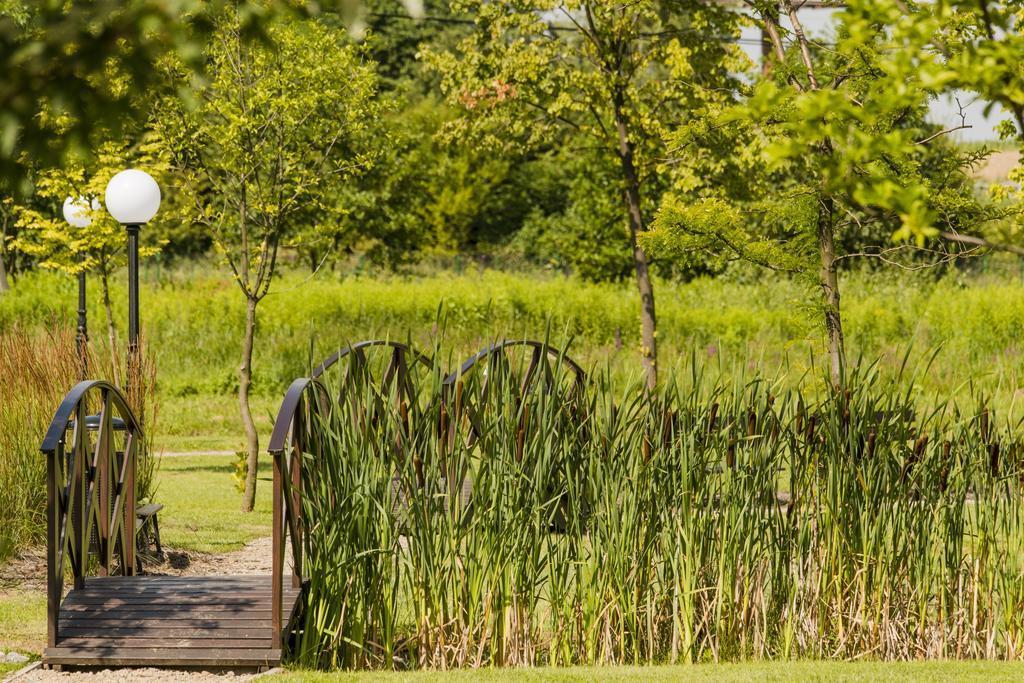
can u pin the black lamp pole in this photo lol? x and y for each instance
(133, 310)
(82, 338)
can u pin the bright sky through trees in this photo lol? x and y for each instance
(818, 21)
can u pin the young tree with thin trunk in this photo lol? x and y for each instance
(827, 140)
(277, 127)
(6, 205)
(608, 75)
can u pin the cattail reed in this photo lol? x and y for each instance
(504, 522)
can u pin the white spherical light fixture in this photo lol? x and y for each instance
(133, 197)
(76, 211)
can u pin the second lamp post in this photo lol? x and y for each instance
(132, 198)
(77, 214)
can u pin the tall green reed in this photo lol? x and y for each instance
(36, 370)
(497, 522)
(38, 366)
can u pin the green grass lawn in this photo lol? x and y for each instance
(839, 672)
(9, 668)
(202, 507)
(22, 620)
(210, 422)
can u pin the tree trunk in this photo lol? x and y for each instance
(115, 367)
(252, 438)
(828, 279)
(631, 195)
(5, 285)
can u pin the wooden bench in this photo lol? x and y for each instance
(147, 532)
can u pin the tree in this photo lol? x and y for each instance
(831, 138)
(394, 38)
(981, 42)
(612, 74)
(277, 127)
(92, 62)
(45, 236)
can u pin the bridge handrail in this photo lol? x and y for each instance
(359, 346)
(82, 496)
(307, 397)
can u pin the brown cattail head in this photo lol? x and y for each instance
(670, 420)
(442, 427)
(524, 424)
(947, 447)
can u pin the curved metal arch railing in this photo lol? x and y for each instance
(398, 358)
(454, 404)
(304, 399)
(540, 351)
(308, 400)
(90, 488)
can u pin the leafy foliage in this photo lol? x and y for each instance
(831, 139)
(276, 130)
(46, 237)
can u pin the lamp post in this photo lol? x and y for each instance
(77, 214)
(132, 198)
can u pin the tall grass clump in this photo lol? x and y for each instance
(517, 518)
(38, 367)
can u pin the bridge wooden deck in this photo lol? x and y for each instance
(208, 621)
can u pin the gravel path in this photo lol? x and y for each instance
(254, 558)
(40, 675)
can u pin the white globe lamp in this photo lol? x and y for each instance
(76, 211)
(133, 197)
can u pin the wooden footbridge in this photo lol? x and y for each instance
(102, 612)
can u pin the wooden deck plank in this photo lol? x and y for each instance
(166, 599)
(220, 657)
(201, 632)
(150, 643)
(170, 621)
(171, 612)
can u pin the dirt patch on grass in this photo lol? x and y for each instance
(24, 571)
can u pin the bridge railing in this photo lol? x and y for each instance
(298, 432)
(91, 448)
(298, 428)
